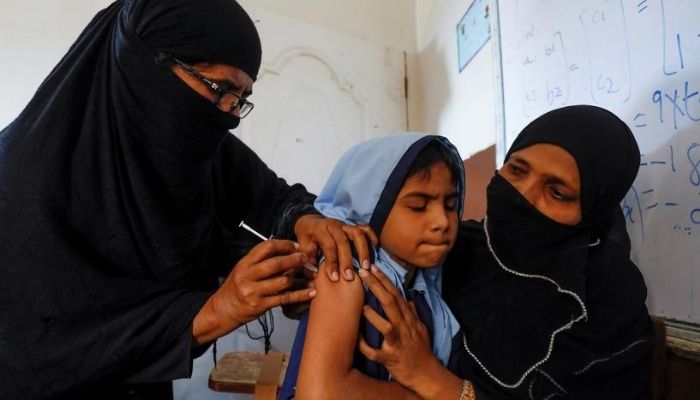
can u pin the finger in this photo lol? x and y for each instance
(368, 351)
(330, 255)
(274, 285)
(306, 230)
(388, 300)
(344, 251)
(270, 248)
(359, 240)
(296, 296)
(309, 248)
(383, 326)
(391, 288)
(403, 309)
(277, 265)
(371, 235)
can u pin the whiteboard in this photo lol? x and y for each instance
(641, 60)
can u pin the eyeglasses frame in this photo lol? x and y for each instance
(242, 104)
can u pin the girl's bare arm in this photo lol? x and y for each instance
(326, 370)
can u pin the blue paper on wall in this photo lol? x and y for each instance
(473, 31)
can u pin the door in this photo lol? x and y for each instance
(317, 94)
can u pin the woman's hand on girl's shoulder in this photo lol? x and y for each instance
(406, 346)
(406, 350)
(336, 240)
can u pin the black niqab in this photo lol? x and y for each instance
(548, 308)
(120, 191)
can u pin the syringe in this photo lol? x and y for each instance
(256, 233)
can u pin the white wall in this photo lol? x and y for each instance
(34, 35)
(384, 22)
(440, 99)
(461, 106)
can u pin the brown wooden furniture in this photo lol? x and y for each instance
(249, 372)
(675, 365)
(658, 359)
(682, 378)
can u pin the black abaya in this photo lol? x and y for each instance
(120, 194)
(552, 310)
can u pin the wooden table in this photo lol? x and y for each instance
(249, 372)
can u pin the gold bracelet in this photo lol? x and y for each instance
(467, 391)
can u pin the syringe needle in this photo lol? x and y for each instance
(251, 230)
(256, 233)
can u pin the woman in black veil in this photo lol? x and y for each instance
(121, 192)
(549, 303)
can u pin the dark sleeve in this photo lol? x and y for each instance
(173, 364)
(144, 342)
(247, 190)
(164, 361)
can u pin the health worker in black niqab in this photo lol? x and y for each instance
(549, 302)
(121, 191)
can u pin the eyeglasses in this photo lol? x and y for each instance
(223, 96)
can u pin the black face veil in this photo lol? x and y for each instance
(106, 196)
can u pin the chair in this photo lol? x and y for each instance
(249, 372)
(658, 359)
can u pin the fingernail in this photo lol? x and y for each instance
(365, 264)
(363, 273)
(374, 268)
(349, 275)
(312, 293)
(296, 245)
(334, 276)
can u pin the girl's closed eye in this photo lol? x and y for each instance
(418, 206)
(451, 204)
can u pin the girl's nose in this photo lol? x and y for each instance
(440, 219)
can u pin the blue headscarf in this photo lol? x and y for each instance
(362, 189)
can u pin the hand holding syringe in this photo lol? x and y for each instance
(256, 233)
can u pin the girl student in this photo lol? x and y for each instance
(408, 188)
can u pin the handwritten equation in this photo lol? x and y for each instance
(644, 200)
(601, 43)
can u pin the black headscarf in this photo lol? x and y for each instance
(120, 190)
(607, 162)
(548, 308)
